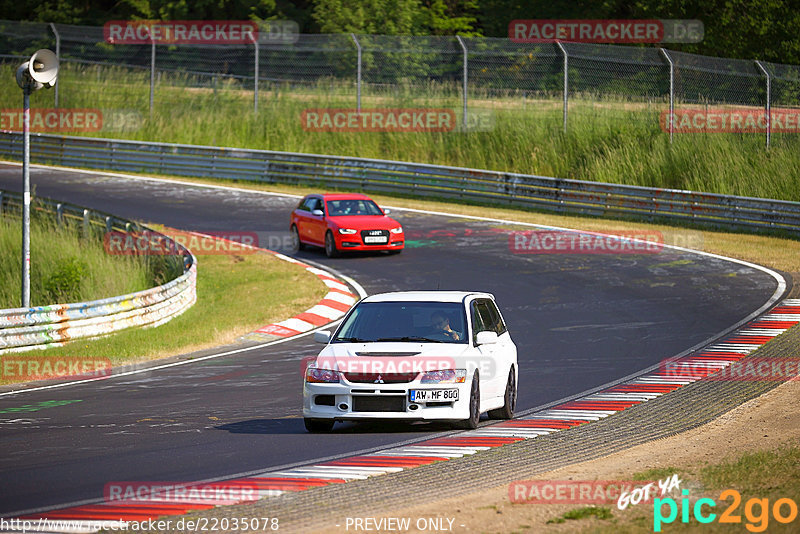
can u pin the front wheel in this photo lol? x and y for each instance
(318, 425)
(330, 246)
(507, 411)
(471, 422)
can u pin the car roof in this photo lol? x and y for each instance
(426, 296)
(344, 196)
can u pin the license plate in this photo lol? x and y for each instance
(376, 239)
(433, 395)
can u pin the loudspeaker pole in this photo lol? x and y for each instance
(26, 196)
(40, 71)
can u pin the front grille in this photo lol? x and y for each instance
(380, 378)
(382, 403)
(375, 233)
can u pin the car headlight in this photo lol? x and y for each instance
(323, 376)
(398, 230)
(445, 376)
(347, 231)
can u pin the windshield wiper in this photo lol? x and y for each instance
(410, 338)
(352, 340)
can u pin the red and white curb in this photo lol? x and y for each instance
(333, 305)
(592, 407)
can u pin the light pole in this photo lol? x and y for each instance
(39, 71)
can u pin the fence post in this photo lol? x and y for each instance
(358, 73)
(465, 78)
(86, 222)
(58, 56)
(255, 81)
(566, 81)
(767, 106)
(671, 92)
(152, 71)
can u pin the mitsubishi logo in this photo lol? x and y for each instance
(378, 380)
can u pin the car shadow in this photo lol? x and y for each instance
(294, 425)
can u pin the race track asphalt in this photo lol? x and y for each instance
(579, 321)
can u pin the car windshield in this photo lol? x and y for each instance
(425, 322)
(355, 206)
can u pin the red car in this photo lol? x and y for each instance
(346, 221)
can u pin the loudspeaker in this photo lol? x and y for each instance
(41, 69)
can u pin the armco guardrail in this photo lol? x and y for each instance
(43, 326)
(560, 195)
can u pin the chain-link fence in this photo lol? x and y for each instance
(468, 74)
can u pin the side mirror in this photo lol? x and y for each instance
(486, 338)
(318, 213)
(387, 211)
(324, 336)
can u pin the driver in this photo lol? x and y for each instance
(442, 325)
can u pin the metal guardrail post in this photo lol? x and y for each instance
(152, 72)
(358, 73)
(767, 106)
(671, 92)
(465, 78)
(255, 77)
(60, 213)
(566, 81)
(58, 56)
(86, 223)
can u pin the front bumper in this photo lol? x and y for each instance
(358, 402)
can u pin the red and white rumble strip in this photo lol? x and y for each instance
(592, 407)
(333, 306)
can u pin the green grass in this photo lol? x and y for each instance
(611, 141)
(600, 512)
(67, 268)
(769, 475)
(235, 295)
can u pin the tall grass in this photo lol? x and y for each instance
(67, 268)
(607, 140)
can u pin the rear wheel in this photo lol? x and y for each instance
(330, 246)
(318, 425)
(296, 243)
(471, 422)
(510, 397)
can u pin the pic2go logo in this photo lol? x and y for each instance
(756, 511)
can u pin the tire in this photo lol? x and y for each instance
(297, 245)
(510, 397)
(330, 246)
(318, 425)
(471, 422)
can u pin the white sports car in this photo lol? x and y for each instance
(417, 355)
